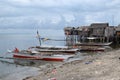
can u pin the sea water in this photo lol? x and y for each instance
(23, 39)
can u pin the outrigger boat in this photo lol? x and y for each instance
(92, 42)
(35, 55)
(44, 53)
(92, 48)
(54, 49)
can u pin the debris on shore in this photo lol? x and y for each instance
(105, 66)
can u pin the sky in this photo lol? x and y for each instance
(56, 14)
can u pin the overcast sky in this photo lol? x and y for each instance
(57, 13)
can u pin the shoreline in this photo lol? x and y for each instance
(103, 66)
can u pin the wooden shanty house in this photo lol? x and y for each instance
(79, 30)
(110, 31)
(102, 31)
(98, 29)
(70, 33)
(117, 34)
(67, 30)
(82, 31)
(85, 31)
(117, 29)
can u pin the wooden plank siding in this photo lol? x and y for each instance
(102, 31)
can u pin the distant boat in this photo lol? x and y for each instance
(41, 56)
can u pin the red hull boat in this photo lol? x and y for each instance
(39, 56)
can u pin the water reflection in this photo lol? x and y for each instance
(34, 63)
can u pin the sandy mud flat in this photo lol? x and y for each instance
(103, 66)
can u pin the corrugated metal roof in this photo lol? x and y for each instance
(68, 28)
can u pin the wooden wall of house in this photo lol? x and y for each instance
(118, 33)
(103, 31)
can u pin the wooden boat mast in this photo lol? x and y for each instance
(39, 38)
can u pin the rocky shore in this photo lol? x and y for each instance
(103, 66)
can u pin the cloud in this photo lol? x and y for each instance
(94, 18)
(57, 6)
(69, 17)
(57, 13)
(114, 3)
(63, 4)
(55, 20)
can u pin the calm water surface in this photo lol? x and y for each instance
(22, 39)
